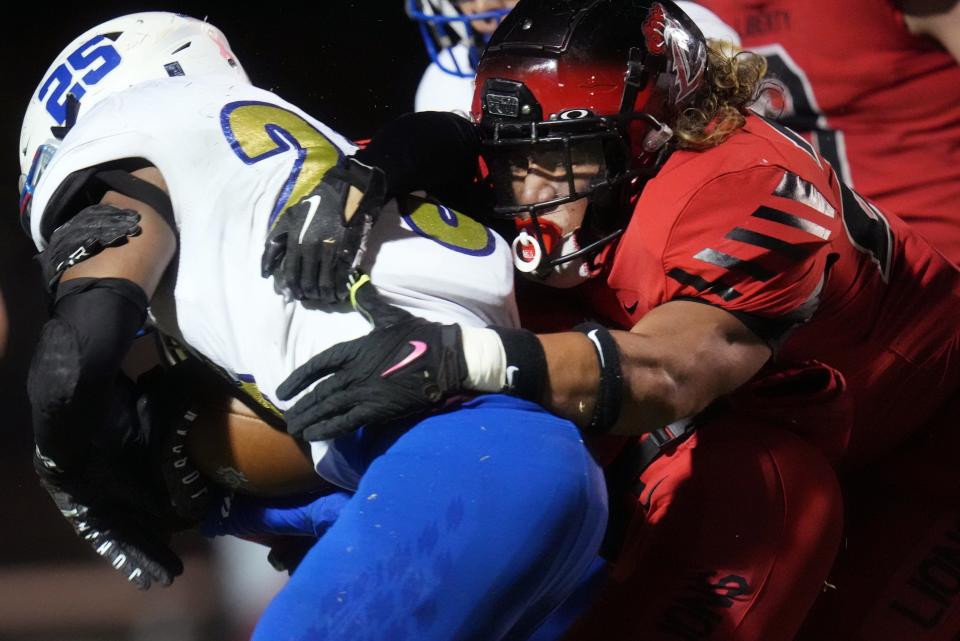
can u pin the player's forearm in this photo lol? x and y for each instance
(76, 362)
(649, 395)
(596, 378)
(100, 305)
(938, 19)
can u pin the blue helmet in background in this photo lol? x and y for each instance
(445, 24)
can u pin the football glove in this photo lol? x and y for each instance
(317, 244)
(289, 526)
(404, 366)
(85, 235)
(117, 516)
(166, 408)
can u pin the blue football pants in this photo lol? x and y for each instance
(473, 524)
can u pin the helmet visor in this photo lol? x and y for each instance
(533, 176)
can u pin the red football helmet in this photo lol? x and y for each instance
(593, 83)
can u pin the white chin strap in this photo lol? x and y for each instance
(520, 243)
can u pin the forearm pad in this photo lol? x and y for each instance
(428, 151)
(71, 379)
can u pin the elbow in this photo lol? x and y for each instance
(653, 398)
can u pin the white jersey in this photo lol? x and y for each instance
(233, 156)
(442, 91)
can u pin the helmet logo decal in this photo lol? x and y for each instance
(574, 114)
(654, 29)
(688, 56)
(173, 69)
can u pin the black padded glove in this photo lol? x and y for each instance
(85, 235)
(405, 366)
(318, 243)
(167, 408)
(117, 516)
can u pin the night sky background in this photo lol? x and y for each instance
(354, 64)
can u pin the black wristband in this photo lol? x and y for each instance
(606, 411)
(526, 363)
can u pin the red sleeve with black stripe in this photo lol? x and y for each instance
(755, 242)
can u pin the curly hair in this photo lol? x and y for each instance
(734, 80)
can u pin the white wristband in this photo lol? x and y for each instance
(486, 360)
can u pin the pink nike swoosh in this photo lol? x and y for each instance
(419, 349)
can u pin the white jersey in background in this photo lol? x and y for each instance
(232, 156)
(442, 91)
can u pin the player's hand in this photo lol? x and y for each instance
(167, 408)
(85, 235)
(116, 517)
(289, 525)
(318, 243)
(405, 366)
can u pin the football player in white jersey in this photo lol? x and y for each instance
(454, 32)
(146, 136)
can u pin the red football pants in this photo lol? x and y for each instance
(733, 533)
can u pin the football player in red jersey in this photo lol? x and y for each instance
(887, 120)
(877, 95)
(751, 302)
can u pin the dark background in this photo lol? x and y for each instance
(353, 64)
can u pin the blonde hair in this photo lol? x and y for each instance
(733, 82)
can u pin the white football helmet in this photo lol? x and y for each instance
(108, 58)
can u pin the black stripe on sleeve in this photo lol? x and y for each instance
(783, 218)
(702, 285)
(721, 259)
(739, 234)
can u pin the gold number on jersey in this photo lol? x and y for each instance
(447, 227)
(258, 130)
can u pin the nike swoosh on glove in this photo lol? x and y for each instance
(315, 247)
(403, 367)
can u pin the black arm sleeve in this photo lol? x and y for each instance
(72, 376)
(429, 151)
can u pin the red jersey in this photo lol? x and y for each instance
(761, 227)
(881, 105)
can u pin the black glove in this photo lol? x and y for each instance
(85, 235)
(166, 408)
(405, 366)
(117, 516)
(318, 243)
